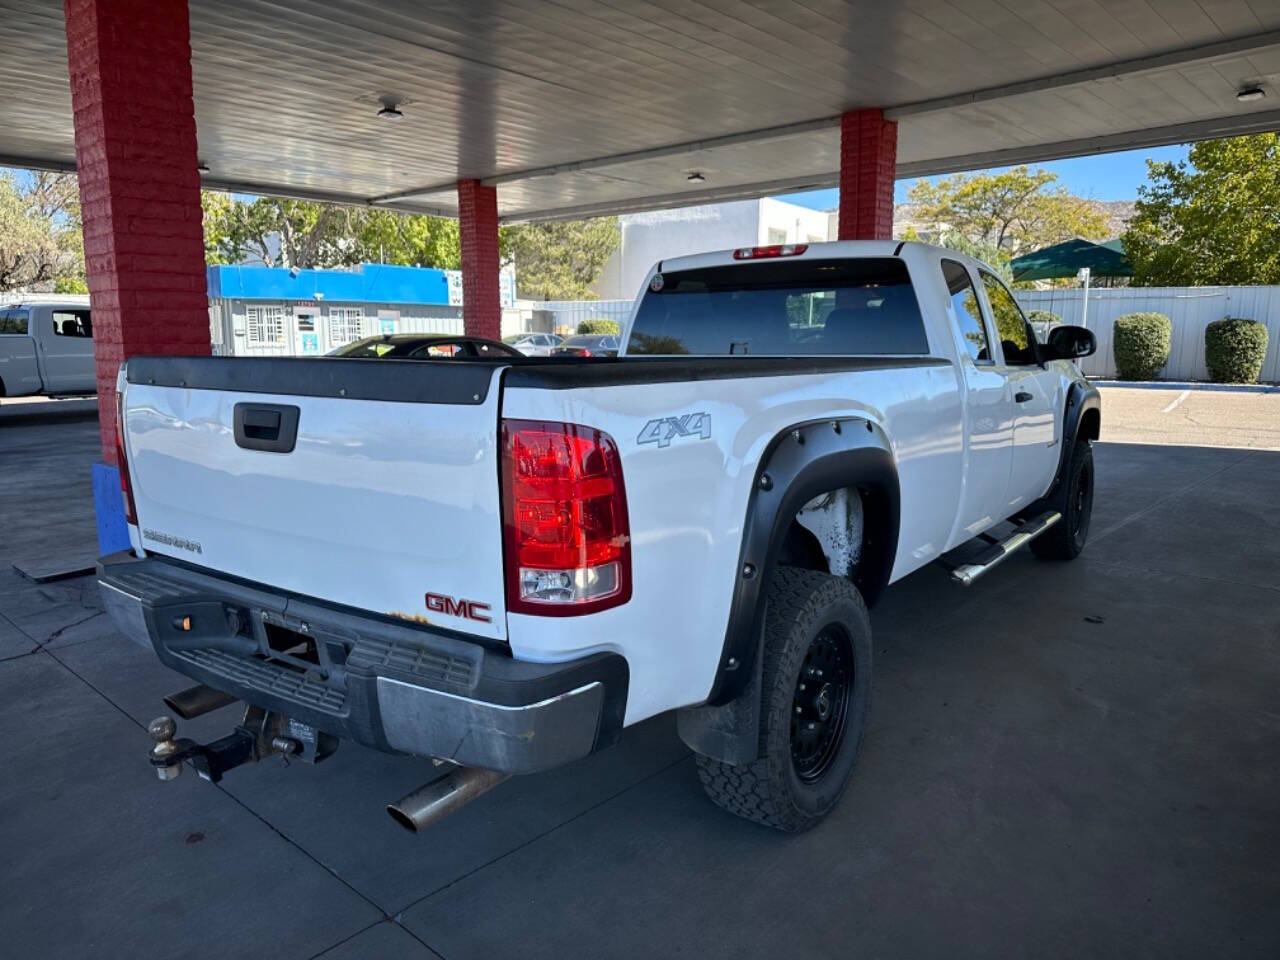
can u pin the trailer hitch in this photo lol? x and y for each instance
(261, 734)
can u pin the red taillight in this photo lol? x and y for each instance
(126, 489)
(773, 250)
(568, 540)
(586, 352)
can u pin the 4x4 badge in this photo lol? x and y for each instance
(665, 429)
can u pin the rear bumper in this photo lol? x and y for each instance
(415, 690)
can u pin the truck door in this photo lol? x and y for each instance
(65, 339)
(1031, 389)
(19, 374)
(988, 410)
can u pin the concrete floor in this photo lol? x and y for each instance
(1064, 761)
(1200, 416)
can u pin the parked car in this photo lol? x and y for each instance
(422, 346)
(535, 344)
(46, 348)
(504, 566)
(588, 345)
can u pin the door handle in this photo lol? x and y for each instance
(1022, 396)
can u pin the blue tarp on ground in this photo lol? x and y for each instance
(367, 283)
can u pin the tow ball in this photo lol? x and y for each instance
(261, 734)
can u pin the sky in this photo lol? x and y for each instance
(1108, 176)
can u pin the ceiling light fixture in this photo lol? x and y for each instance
(1250, 93)
(202, 167)
(696, 177)
(389, 112)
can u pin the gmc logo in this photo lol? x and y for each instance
(467, 609)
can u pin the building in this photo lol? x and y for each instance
(650, 237)
(270, 311)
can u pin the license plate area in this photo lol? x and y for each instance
(296, 646)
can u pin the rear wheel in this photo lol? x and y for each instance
(1074, 500)
(815, 698)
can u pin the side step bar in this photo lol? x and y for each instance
(1025, 532)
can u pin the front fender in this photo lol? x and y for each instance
(1083, 400)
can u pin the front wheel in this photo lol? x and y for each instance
(1074, 500)
(815, 699)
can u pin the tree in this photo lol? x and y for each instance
(1214, 219)
(41, 242)
(993, 256)
(1015, 211)
(389, 237)
(303, 234)
(560, 260)
(278, 232)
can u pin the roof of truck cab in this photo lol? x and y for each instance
(82, 304)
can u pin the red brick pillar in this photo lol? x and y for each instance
(868, 159)
(130, 65)
(478, 229)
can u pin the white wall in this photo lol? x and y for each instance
(796, 224)
(1190, 309)
(650, 237)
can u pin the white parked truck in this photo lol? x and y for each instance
(46, 347)
(502, 564)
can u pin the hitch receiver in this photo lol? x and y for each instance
(261, 734)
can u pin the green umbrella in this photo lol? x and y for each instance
(1066, 260)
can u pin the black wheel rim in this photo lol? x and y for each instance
(820, 707)
(1082, 503)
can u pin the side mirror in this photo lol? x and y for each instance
(1071, 343)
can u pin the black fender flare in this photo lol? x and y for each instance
(1082, 397)
(800, 463)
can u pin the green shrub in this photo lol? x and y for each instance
(1141, 344)
(1234, 349)
(599, 325)
(1044, 316)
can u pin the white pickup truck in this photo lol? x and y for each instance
(46, 348)
(501, 564)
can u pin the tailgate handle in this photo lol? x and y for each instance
(266, 426)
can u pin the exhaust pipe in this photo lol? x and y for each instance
(432, 803)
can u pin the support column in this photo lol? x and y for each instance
(135, 130)
(130, 65)
(478, 229)
(868, 160)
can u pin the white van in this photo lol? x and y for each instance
(46, 348)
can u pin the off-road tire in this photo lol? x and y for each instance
(1074, 500)
(803, 608)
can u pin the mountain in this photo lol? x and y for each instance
(1118, 214)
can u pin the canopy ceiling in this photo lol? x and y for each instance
(577, 107)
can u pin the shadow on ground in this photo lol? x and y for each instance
(1064, 760)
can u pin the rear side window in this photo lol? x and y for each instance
(783, 308)
(13, 321)
(964, 303)
(72, 323)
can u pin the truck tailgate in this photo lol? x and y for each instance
(388, 500)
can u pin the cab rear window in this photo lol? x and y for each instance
(788, 308)
(13, 321)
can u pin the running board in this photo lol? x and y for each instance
(1025, 532)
